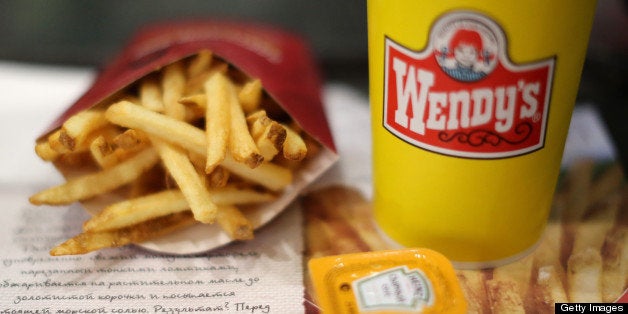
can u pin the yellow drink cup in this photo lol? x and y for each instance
(470, 105)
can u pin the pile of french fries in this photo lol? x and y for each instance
(583, 256)
(192, 142)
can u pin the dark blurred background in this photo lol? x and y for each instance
(89, 33)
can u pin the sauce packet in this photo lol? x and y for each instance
(390, 281)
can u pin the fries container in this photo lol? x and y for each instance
(281, 60)
(471, 104)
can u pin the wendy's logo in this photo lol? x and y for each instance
(462, 96)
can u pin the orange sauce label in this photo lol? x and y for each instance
(394, 281)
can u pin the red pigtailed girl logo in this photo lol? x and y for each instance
(462, 96)
(465, 57)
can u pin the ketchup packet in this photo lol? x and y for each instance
(289, 76)
(412, 280)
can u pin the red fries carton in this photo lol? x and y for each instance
(289, 76)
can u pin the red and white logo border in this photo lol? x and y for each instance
(502, 58)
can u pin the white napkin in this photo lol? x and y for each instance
(261, 276)
(588, 137)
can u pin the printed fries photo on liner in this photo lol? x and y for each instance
(194, 136)
(582, 257)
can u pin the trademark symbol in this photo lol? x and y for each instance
(537, 117)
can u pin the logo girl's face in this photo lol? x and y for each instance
(466, 55)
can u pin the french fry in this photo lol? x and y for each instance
(234, 223)
(56, 142)
(550, 273)
(175, 159)
(336, 212)
(195, 84)
(268, 134)
(76, 130)
(548, 251)
(504, 296)
(181, 169)
(332, 233)
(472, 283)
(130, 139)
(550, 287)
(90, 185)
(608, 183)
(110, 149)
(91, 241)
(342, 237)
(232, 195)
(196, 100)
(226, 126)
(45, 152)
(250, 95)
(219, 177)
(240, 143)
(150, 94)
(195, 106)
(217, 119)
(615, 264)
(132, 116)
(102, 152)
(592, 232)
(269, 175)
(257, 122)
(191, 138)
(149, 182)
(340, 203)
(173, 87)
(317, 244)
(293, 147)
(200, 63)
(579, 180)
(519, 272)
(74, 159)
(133, 211)
(584, 276)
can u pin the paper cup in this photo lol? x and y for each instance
(471, 105)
